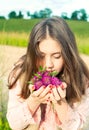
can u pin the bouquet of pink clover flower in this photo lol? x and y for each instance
(44, 78)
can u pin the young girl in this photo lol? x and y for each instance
(52, 45)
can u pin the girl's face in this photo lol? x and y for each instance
(51, 57)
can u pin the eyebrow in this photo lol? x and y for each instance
(52, 53)
(56, 53)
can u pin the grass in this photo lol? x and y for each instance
(3, 99)
(14, 38)
(83, 44)
(17, 25)
(16, 32)
(22, 25)
(80, 28)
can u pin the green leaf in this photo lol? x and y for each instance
(54, 73)
(40, 68)
(37, 75)
(30, 82)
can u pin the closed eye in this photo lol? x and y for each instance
(57, 55)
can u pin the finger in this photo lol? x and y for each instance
(63, 85)
(52, 98)
(46, 98)
(61, 92)
(38, 92)
(45, 92)
(31, 88)
(55, 93)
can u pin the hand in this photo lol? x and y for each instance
(58, 93)
(41, 95)
(37, 97)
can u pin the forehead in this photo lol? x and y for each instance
(49, 45)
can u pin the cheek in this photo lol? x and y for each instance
(59, 65)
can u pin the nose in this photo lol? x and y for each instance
(49, 64)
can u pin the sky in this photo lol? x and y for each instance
(57, 6)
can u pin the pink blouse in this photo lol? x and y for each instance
(19, 115)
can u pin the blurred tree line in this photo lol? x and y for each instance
(76, 15)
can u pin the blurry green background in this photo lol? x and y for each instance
(15, 32)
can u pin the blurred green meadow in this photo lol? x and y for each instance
(15, 32)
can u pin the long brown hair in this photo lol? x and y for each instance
(75, 71)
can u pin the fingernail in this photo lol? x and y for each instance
(33, 87)
(51, 86)
(62, 86)
(43, 86)
(54, 86)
